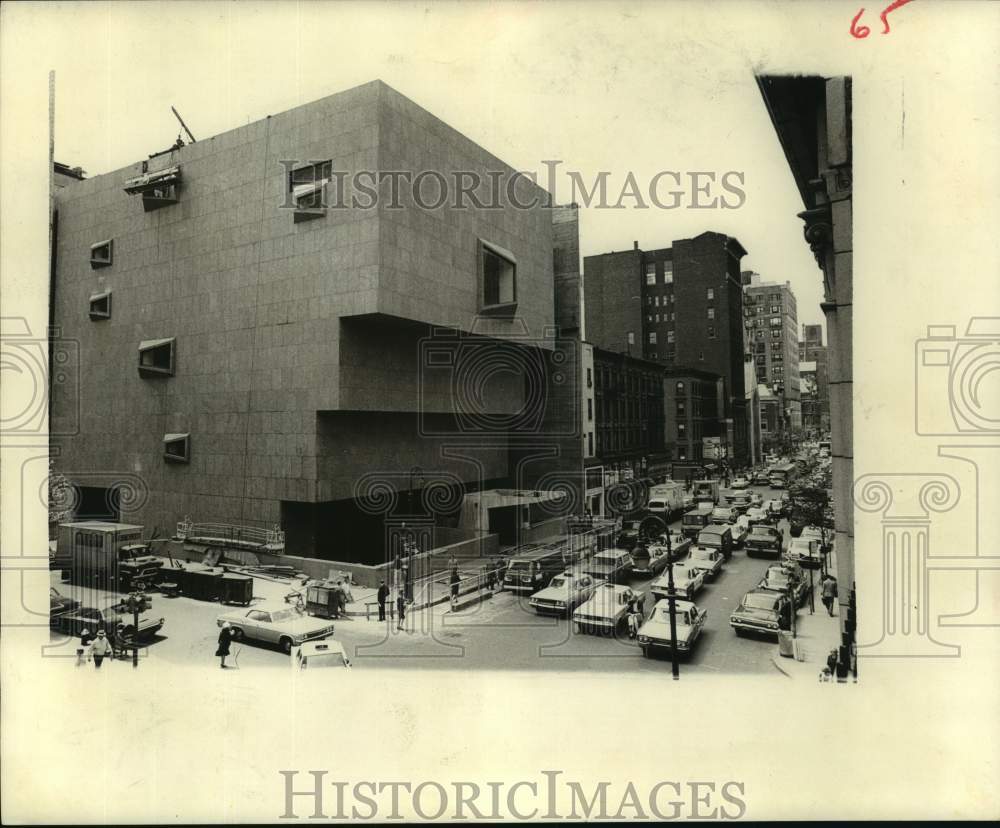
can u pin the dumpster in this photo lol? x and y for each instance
(320, 601)
(203, 585)
(235, 589)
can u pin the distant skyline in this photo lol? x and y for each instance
(542, 87)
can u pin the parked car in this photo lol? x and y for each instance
(59, 605)
(766, 540)
(739, 483)
(804, 551)
(709, 560)
(323, 654)
(762, 611)
(724, 514)
(654, 633)
(609, 565)
(604, 610)
(117, 624)
(719, 536)
(687, 581)
(564, 593)
(813, 533)
(779, 579)
(278, 624)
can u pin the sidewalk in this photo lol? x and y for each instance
(815, 636)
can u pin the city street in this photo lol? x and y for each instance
(501, 632)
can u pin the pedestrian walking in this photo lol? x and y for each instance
(400, 609)
(455, 579)
(225, 637)
(829, 591)
(99, 648)
(383, 595)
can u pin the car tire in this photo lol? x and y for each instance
(285, 643)
(739, 632)
(578, 628)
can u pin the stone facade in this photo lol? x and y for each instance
(301, 347)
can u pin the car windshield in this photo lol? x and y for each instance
(657, 504)
(757, 601)
(693, 519)
(283, 615)
(518, 565)
(763, 532)
(557, 582)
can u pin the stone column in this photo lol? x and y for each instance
(986, 459)
(905, 501)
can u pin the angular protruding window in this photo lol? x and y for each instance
(157, 358)
(308, 189)
(100, 305)
(177, 448)
(498, 269)
(102, 254)
(158, 189)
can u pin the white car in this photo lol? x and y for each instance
(813, 533)
(757, 515)
(739, 530)
(276, 624)
(803, 549)
(710, 560)
(564, 593)
(655, 631)
(740, 483)
(314, 655)
(604, 610)
(687, 581)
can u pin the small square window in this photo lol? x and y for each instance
(177, 448)
(652, 338)
(100, 305)
(711, 313)
(668, 273)
(156, 358)
(631, 338)
(499, 275)
(711, 331)
(102, 254)
(711, 293)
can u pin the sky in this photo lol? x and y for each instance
(624, 88)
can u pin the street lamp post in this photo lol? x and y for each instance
(672, 609)
(411, 546)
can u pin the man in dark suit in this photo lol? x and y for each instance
(383, 596)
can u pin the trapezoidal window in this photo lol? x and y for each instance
(100, 306)
(308, 188)
(157, 358)
(498, 268)
(177, 448)
(158, 189)
(102, 254)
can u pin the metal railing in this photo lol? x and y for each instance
(272, 539)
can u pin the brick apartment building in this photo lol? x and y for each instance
(772, 338)
(680, 307)
(815, 405)
(693, 401)
(629, 413)
(251, 353)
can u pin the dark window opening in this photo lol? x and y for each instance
(102, 254)
(156, 357)
(100, 306)
(308, 188)
(499, 279)
(177, 448)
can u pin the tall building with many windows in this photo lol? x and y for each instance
(815, 402)
(772, 339)
(679, 306)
